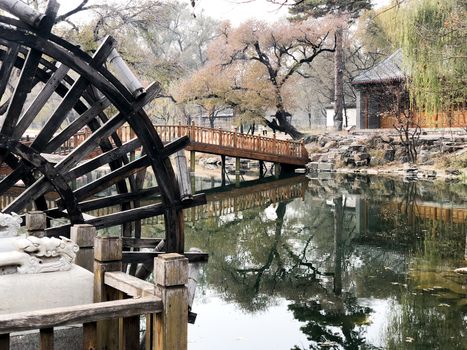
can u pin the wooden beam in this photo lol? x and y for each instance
(111, 178)
(130, 285)
(117, 199)
(148, 257)
(85, 313)
(129, 242)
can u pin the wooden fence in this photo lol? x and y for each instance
(120, 300)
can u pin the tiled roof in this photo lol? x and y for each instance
(390, 69)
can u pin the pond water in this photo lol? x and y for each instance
(338, 263)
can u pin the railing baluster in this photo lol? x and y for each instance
(46, 339)
(90, 335)
(5, 341)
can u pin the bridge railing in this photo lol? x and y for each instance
(197, 134)
(232, 139)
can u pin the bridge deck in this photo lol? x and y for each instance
(212, 141)
(234, 144)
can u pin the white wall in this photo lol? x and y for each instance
(351, 117)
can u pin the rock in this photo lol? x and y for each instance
(361, 156)
(314, 157)
(461, 270)
(330, 144)
(325, 167)
(453, 172)
(389, 155)
(312, 167)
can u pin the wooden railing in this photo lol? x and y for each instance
(120, 300)
(222, 139)
(232, 139)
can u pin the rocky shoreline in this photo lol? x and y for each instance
(440, 155)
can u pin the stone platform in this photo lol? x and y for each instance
(30, 292)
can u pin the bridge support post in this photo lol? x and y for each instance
(277, 169)
(192, 171)
(223, 170)
(237, 172)
(261, 169)
(192, 161)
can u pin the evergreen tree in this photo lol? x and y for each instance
(302, 9)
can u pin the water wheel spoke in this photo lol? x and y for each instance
(7, 66)
(117, 199)
(71, 98)
(102, 159)
(111, 178)
(77, 124)
(40, 100)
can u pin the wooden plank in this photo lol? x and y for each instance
(46, 339)
(5, 341)
(85, 313)
(90, 336)
(148, 257)
(130, 285)
(129, 242)
(130, 333)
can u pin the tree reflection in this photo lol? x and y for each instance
(328, 258)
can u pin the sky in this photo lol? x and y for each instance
(236, 11)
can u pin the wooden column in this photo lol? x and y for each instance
(171, 326)
(84, 235)
(223, 169)
(237, 171)
(107, 257)
(192, 162)
(36, 222)
(277, 169)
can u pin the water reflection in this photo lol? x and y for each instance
(360, 263)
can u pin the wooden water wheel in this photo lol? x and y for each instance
(65, 90)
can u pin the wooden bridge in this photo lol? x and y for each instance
(215, 141)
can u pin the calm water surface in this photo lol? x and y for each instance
(346, 263)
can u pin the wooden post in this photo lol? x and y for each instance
(36, 222)
(223, 169)
(171, 328)
(237, 172)
(277, 169)
(5, 341)
(107, 257)
(261, 169)
(46, 339)
(183, 176)
(84, 235)
(192, 162)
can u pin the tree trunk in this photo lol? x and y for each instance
(280, 123)
(338, 80)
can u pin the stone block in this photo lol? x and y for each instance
(325, 167)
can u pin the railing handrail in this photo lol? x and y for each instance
(78, 314)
